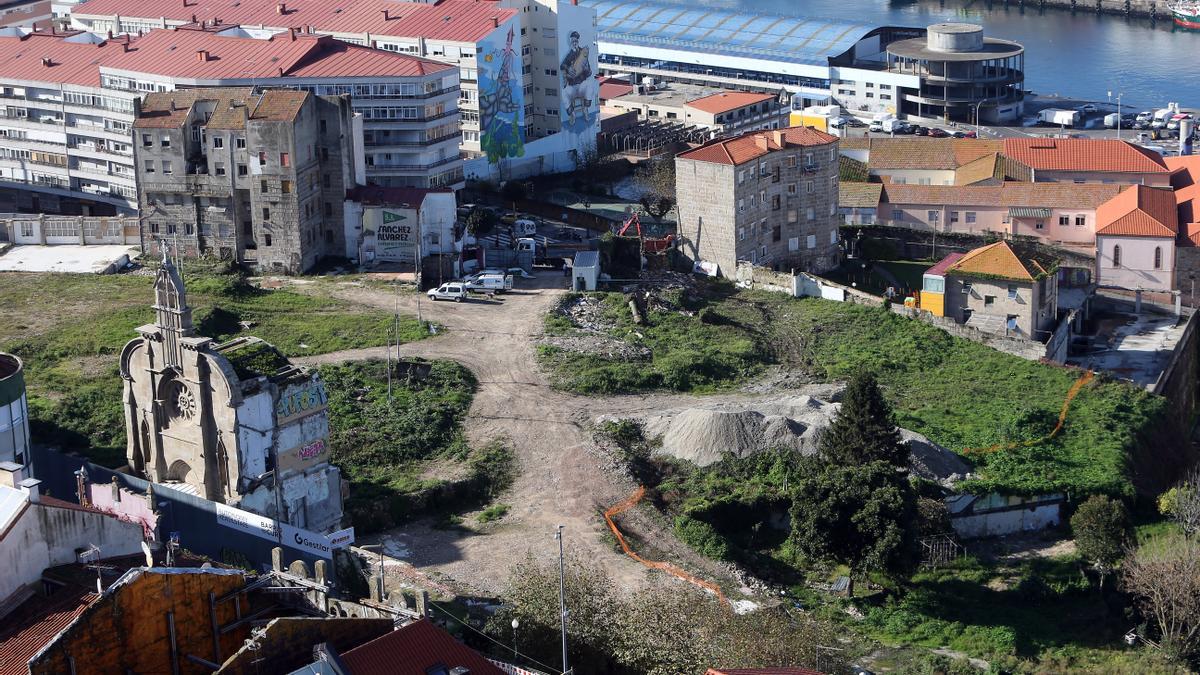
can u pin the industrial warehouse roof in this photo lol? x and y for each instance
(203, 55)
(717, 31)
(451, 20)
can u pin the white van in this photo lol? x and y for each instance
(524, 227)
(455, 291)
(496, 283)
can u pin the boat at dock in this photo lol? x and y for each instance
(1186, 13)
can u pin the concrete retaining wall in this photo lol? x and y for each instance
(1156, 9)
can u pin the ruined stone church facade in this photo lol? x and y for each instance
(234, 423)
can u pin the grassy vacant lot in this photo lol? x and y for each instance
(410, 455)
(959, 393)
(69, 330)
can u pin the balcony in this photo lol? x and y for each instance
(386, 143)
(387, 168)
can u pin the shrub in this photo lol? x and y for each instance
(702, 537)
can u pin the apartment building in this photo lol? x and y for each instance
(68, 101)
(258, 176)
(408, 104)
(61, 134)
(526, 66)
(767, 197)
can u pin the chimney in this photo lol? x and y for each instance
(292, 34)
(46, 61)
(281, 9)
(386, 15)
(202, 55)
(495, 22)
(32, 488)
(110, 35)
(761, 141)
(193, 18)
(125, 47)
(779, 137)
(11, 474)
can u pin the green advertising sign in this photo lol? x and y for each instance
(389, 217)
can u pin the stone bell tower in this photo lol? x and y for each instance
(171, 312)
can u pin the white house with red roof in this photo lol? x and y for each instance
(1135, 240)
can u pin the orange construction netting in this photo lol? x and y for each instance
(1062, 417)
(674, 571)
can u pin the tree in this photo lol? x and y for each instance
(657, 184)
(1164, 577)
(1101, 527)
(481, 221)
(1182, 503)
(864, 429)
(864, 515)
(652, 632)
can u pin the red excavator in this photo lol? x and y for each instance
(648, 245)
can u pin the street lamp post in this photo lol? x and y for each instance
(515, 625)
(562, 596)
(1119, 95)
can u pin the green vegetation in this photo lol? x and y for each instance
(410, 456)
(493, 512)
(689, 354)
(1101, 529)
(961, 394)
(874, 277)
(69, 330)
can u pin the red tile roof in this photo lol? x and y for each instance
(1005, 260)
(1083, 154)
(42, 57)
(176, 53)
(613, 88)
(412, 650)
(1185, 178)
(1036, 195)
(449, 20)
(725, 101)
(939, 270)
(751, 146)
(1140, 211)
(35, 623)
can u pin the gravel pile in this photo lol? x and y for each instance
(704, 434)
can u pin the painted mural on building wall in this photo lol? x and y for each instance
(580, 100)
(501, 99)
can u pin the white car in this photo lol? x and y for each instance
(1144, 116)
(876, 127)
(1087, 108)
(452, 291)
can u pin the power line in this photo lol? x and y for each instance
(497, 642)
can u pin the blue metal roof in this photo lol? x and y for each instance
(716, 31)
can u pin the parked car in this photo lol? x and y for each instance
(856, 123)
(938, 133)
(920, 130)
(970, 134)
(449, 291)
(1140, 124)
(837, 122)
(876, 127)
(1144, 116)
(1087, 108)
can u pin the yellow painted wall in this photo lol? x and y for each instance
(934, 303)
(819, 122)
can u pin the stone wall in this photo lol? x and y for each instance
(1179, 380)
(904, 242)
(707, 208)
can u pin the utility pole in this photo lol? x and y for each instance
(562, 597)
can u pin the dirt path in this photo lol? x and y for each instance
(558, 481)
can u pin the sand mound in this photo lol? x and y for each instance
(704, 434)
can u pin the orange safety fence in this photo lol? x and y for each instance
(1062, 418)
(674, 571)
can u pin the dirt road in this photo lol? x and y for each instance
(558, 483)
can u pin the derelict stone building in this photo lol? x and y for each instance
(257, 176)
(234, 423)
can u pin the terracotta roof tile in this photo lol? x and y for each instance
(755, 144)
(852, 195)
(613, 88)
(943, 154)
(35, 623)
(1185, 178)
(1140, 211)
(453, 20)
(413, 650)
(727, 100)
(41, 57)
(1040, 195)
(1083, 154)
(176, 53)
(852, 170)
(169, 109)
(1005, 260)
